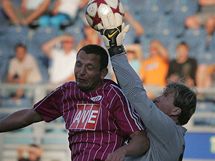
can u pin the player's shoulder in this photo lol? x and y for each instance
(69, 85)
(111, 85)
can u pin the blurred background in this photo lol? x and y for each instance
(169, 40)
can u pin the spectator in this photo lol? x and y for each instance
(63, 14)
(183, 68)
(32, 152)
(23, 69)
(62, 54)
(154, 68)
(204, 16)
(27, 12)
(90, 37)
(204, 77)
(134, 54)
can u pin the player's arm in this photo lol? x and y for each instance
(131, 84)
(138, 145)
(48, 46)
(19, 120)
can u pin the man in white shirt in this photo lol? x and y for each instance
(62, 54)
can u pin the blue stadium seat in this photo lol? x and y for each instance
(21, 103)
(165, 30)
(3, 69)
(184, 8)
(76, 30)
(135, 6)
(196, 40)
(43, 34)
(43, 66)
(149, 16)
(6, 49)
(16, 34)
(166, 6)
(211, 47)
(172, 47)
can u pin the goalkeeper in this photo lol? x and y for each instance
(163, 117)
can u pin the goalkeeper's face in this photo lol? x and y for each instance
(88, 74)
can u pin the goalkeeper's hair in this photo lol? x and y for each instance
(97, 50)
(184, 98)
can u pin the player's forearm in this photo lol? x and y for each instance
(19, 120)
(138, 145)
(127, 78)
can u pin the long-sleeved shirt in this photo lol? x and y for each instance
(166, 137)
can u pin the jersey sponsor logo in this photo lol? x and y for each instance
(96, 98)
(86, 117)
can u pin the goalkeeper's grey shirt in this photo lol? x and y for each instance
(166, 138)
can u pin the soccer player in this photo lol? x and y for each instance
(97, 114)
(163, 117)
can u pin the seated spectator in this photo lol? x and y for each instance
(31, 152)
(62, 53)
(63, 13)
(204, 17)
(27, 12)
(183, 68)
(90, 37)
(23, 69)
(154, 68)
(134, 54)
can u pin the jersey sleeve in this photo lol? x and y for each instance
(126, 117)
(50, 106)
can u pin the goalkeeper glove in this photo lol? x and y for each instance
(113, 37)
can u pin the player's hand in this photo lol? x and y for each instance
(118, 155)
(113, 31)
(114, 36)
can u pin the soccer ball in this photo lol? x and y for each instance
(97, 9)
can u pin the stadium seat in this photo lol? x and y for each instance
(55, 136)
(3, 69)
(149, 16)
(7, 102)
(196, 41)
(165, 31)
(21, 136)
(211, 46)
(184, 8)
(166, 6)
(16, 34)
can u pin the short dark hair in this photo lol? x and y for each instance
(20, 45)
(185, 99)
(97, 50)
(183, 43)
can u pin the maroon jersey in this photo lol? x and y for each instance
(98, 122)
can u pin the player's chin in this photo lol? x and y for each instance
(82, 86)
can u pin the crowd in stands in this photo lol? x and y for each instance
(168, 41)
